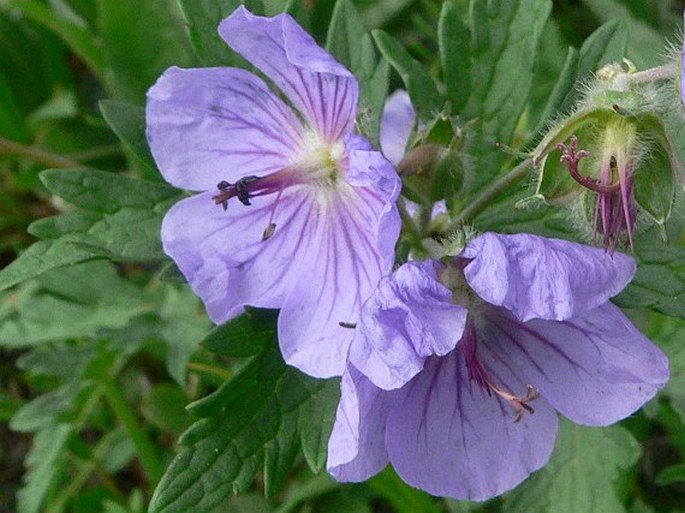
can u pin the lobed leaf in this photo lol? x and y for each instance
(504, 44)
(422, 90)
(202, 19)
(140, 40)
(253, 420)
(581, 473)
(128, 123)
(246, 335)
(350, 43)
(659, 283)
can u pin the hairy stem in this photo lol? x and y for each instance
(481, 201)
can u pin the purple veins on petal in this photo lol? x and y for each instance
(298, 212)
(475, 415)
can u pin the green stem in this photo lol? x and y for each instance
(43, 157)
(481, 201)
(146, 450)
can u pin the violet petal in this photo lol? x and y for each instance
(212, 124)
(321, 88)
(537, 277)
(596, 368)
(448, 437)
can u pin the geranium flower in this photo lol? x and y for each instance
(457, 368)
(298, 211)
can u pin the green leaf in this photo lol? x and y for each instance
(300, 12)
(124, 218)
(128, 123)
(184, 323)
(164, 406)
(422, 90)
(251, 421)
(404, 498)
(71, 302)
(79, 39)
(565, 84)
(581, 473)
(670, 475)
(345, 32)
(12, 124)
(669, 333)
(659, 283)
(42, 256)
(455, 55)
(107, 193)
(504, 46)
(350, 43)
(141, 40)
(243, 336)
(646, 44)
(203, 18)
(44, 465)
(606, 44)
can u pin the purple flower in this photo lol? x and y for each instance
(397, 122)
(457, 369)
(298, 212)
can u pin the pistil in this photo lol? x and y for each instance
(479, 374)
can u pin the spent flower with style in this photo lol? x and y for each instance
(612, 159)
(297, 210)
(458, 368)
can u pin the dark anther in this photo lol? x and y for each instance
(349, 325)
(223, 186)
(242, 187)
(269, 231)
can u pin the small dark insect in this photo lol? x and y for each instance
(350, 325)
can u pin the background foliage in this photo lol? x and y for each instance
(103, 345)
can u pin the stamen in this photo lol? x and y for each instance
(478, 373)
(269, 231)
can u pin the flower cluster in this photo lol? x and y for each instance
(452, 370)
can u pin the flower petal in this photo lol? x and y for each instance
(408, 318)
(321, 88)
(374, 178)
(595, 368)
(212, 124)
(537, 277)
(396, 125)
(313, 325)
(448, 437)
(356, 448)
(223, 254)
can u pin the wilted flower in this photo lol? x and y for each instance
(457, 368)
(613, 157)
(299, 212)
